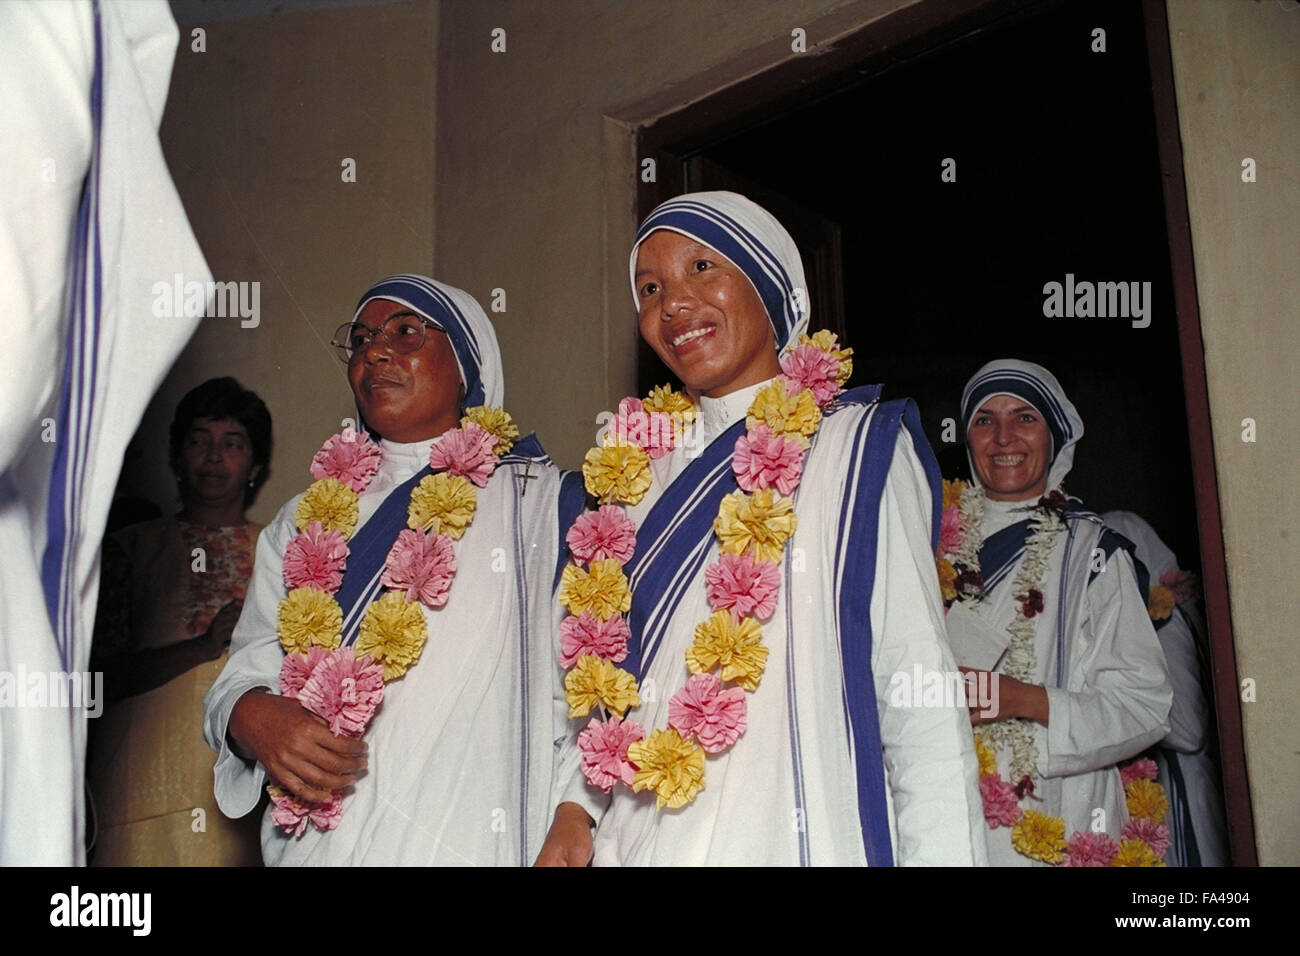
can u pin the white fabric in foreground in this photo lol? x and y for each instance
(47, 55)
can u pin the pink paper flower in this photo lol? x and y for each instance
(716, 717)
(1144, 768)
(468, 452)
(316, 559)
(601, 534)
(1090, 849)
(1001, 808)
(742, 585)
(422, 565)
(292, 813)
(344, 690)
(809, 367)
(604, 751)
(1182, 583)
(950, 529)
(766, 460)
(296, 669)
(653, 431)
(588, 634)
(350, 456)
(1154, 835)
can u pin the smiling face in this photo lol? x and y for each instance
(1010, 448)
(405, 397)
(216, 462)
(702, 316)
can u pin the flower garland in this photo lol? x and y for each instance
(345, 685)
(706, 716)
(1143, 841)
(1035, 834)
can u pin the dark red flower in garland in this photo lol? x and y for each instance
(969, 582)
(1056, 501)
(1025, 786)
(1032, 603)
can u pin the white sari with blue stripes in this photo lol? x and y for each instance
(1098, 657)
(796, 789)
(461, 748)
(89, 221)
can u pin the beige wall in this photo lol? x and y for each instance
(536, 188)
(1237, 74)
(255, 131)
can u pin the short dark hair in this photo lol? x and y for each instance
(225, 399)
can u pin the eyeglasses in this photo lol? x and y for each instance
(403, 333)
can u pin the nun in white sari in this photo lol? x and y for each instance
(1047, 600)
(832, 768)
(458, 765)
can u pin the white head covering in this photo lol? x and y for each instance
(1039, 387)
(458, 314)
(750, 237)
(1151, 551)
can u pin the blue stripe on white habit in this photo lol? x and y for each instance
(521, 596)
(75, 409)
(657, 620)
(792, 698)
(660, 542)
(352, 622)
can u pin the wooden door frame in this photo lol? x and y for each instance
(666, 132)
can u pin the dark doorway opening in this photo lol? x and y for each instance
(1056, 166)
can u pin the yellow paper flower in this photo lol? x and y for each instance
(494, 420)
(442, 503)
(1040, 837)
(759, 522)
(988, 760)
(330, 502)
(952, 491)
(393, 633)
(826, 341)
(619, 473)
(1160, 602)
(592, 681)
(309, 617)
(670, 766)
(1146, 799)
(737, 647)
(662, 398)
(1135, 853)
(796, 415)
(603, 590)
(947, 579)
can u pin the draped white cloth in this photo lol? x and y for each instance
(47, 63)
(1113, 699)
(785, 793)
(1190, 741)
(461, 749)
